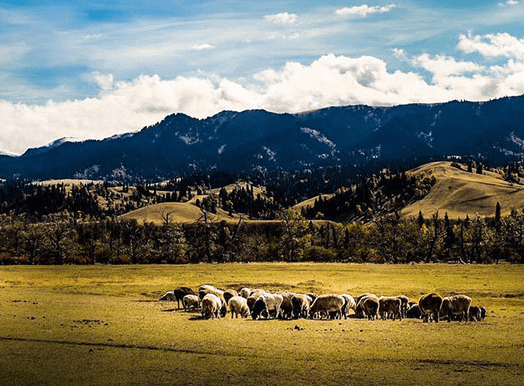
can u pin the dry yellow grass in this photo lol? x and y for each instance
(459, 193)
(311, 202)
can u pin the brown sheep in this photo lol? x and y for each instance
(369, 306)
(390, 306)
(475, 314)
(430, 306)
(456, 305)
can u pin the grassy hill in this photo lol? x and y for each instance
(179, 212)
(460, 193)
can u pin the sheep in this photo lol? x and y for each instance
(326, 304)
(349, 304)
(482, 312)
(180, 292)
(255, 294)
(369, 306)
(168, 296)
(238, 306)
(267, 303)
(244, 292)
(390, 306)
(301, 304)
(286, 308)
(404, 304)
(228, 294)
(191, 302)
(211, 306)
(456, 305)
(359, 312)
(430, 305)
(218, 293)
(475, 314)
(413, 312)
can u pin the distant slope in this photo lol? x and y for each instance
(459, 193)
(180, 213)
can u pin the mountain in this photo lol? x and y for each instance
(260, 141)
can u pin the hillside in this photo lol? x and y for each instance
(181, 213)
(459, 193)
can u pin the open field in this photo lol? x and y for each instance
(102, 325)
(459, 193)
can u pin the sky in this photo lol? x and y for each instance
(93, 69)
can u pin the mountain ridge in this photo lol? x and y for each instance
(257, 141)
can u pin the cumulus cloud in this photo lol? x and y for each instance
(364, 10)
(282, 18)
(330, 80)
(444, 66)
(492, 45)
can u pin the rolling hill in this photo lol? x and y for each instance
(459, 193)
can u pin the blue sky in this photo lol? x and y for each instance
(92, 69)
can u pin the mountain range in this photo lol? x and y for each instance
(257, 141)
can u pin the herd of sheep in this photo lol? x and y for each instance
(257, 303)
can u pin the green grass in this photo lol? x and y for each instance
(102, 325)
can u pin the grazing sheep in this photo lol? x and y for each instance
(219, 294)
(359, 313)
(228, 294)
(168, 296)
(413, 312)
(211, 306)
(390, 307)
(430, 306)
(369, 306)
(191, 302)
(482, 313)
(404, 304)
(301, 304)
(255, 294)
(180, 292)
(326, 304)
(475, 314)
(238, 306)
(456, 305)
(349, 304)
(244, 292)
(267, 303)
(286, 308)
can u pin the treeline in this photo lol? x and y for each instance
(65, 239)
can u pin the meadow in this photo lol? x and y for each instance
(104, 325)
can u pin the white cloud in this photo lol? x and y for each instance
(492, 45)
(364, 10)
(512, 2)
(399, 53)
(443, 66)
(104, 81)
(282, 18)
(200, 47)
(330, 80)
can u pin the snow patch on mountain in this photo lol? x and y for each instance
(315, 134)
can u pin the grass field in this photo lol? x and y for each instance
(103, 325)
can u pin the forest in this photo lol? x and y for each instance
(359, 222)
